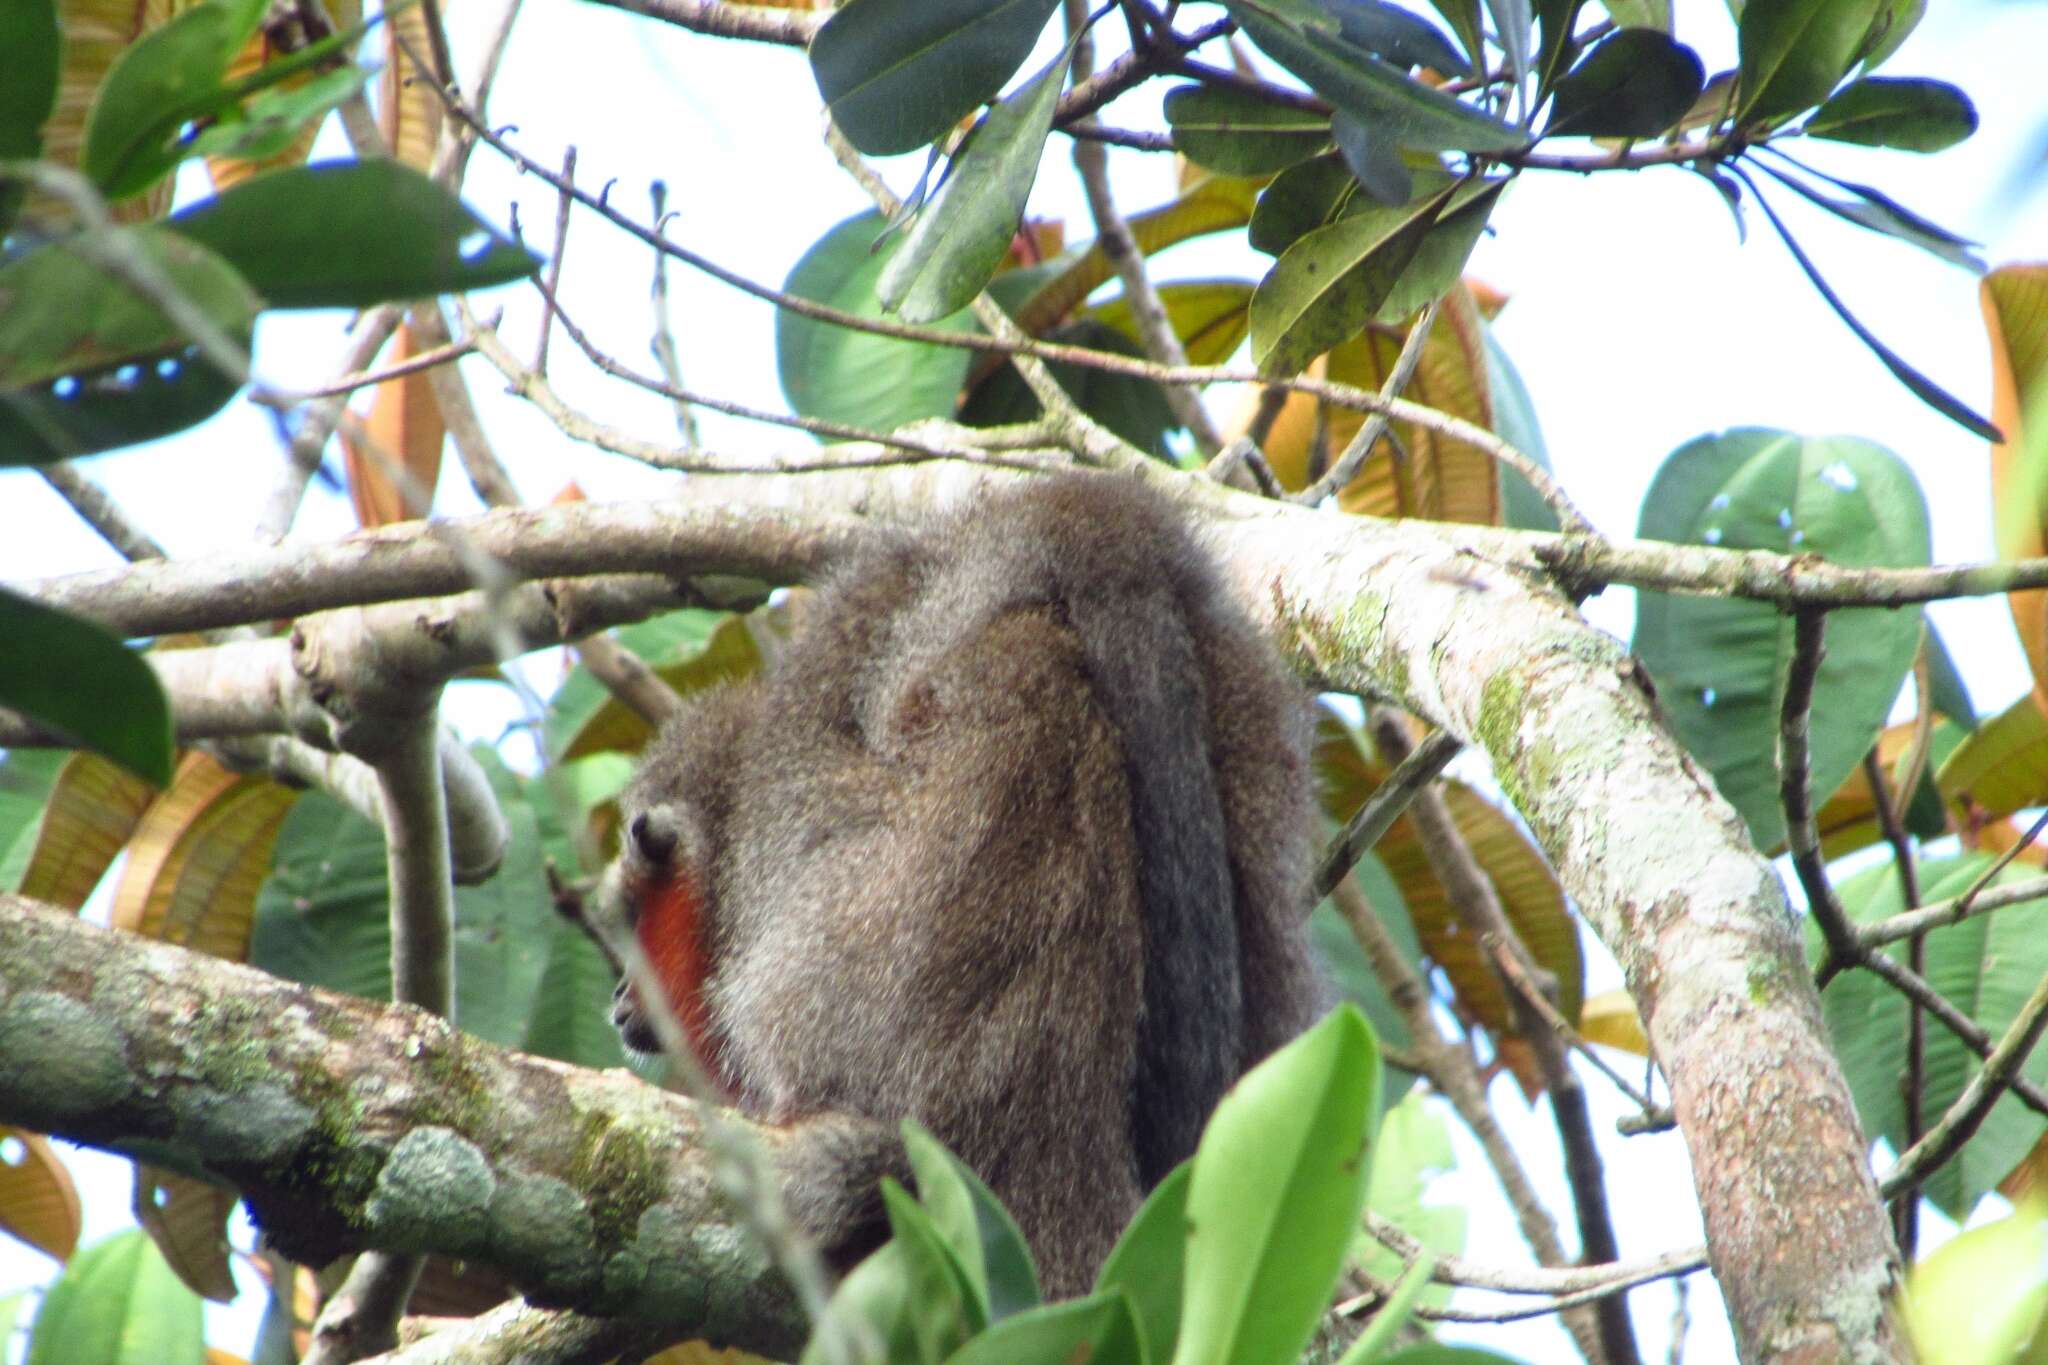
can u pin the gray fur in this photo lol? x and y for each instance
(1012, 839)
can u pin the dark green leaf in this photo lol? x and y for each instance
(1513, 27)
(980, 1231)
(1146, 1263)
(273, 118)
(164, 80)
(1793, 52)
(1098, 1330)
(1636, 83)
(859, 378)
(1279, 1182)
(1555, 20)
(1376, 164)
(1923, 388)
(29, 37)
(1440, 257)
(1874, 210)
(1404, 110)
(962, 235)
(1909, 113)
(83, 683)
(1331, 282)
(1463, 17)
(1986, 966)
(118, 1303)
(1895, 22)
(87, 364)
(1235, 133)
(348, 234)
(1640, 13)
(1720, 663)
(1133, 408)
(900, 73)
(1392, 32)
(1300, 199)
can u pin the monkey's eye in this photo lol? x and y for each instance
(653, 838)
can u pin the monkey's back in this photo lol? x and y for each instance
(1017, 846)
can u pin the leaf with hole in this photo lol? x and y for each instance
(1907, 113)
(897, 74)
(963, 233)
(1721, 663)
(349, 234)
(1234, 133)
(1636, 83)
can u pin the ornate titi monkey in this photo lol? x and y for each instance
(1012, 839)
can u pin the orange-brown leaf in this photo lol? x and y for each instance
(188, 1221)
(405, 425)
(2015, 300)
(38, 1202)
(96, 33)
(93, 809)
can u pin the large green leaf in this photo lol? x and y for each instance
(1986, 966)
(1981, 1296)
(1147, 1263)
(1098, 1330)
(29, 35)
(118, 1303)
(1236, 133)
(1406, 111)
(1793, 52)
(980, 1231)
(1374, 160)
(1299, 200)
(86, 363)
(275, 117)
(1720, 663)
(348, 234)
(942, 1308)
(1135, 409)
(1411, 1149)
(962, 234)
(1393, 33)
(1909, 113)
(859, 378)
(1279, 1180)
(86, 685)
(899, 73)
(1369, 263)
(1636, 83)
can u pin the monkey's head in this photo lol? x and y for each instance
(662, 887)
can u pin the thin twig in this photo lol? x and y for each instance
(1346, 466)
(99, 510)
(1954, 910)
(1376, 815)
(1802, 835)
(664, 342)
(1913, 1085)
(563, 205)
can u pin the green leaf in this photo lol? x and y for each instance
(1640, 13)
(118, 1303)
(27, 778)
(942, 1308)
(900, 73)
(29, 35)
(690, 649)
(1098, 1330)
(1513, 27)
(1135, 409)
(1411, 1151)
(1793, 52)
(1636, 83)
(1981, 1296)
(1874, 210)
(1987, 967)
(1393, 33)
(1514, 418)
(1146, 1263)
(1463, 17)
(1720, 663)
(963, 233)
(870, 1316)
(1236, 133)
(348, 234)
(1923, 388)
(859, 378)
(1209, 316)
(969, 1219)
(83, 683)
(1949, 696)
(1375, 162)
(1273, 1204)
(87, 364)
(274, 117)
(1908, 113)
(1301, 199)
(1370, 263)
(1435, 1353)
(1405, 111)
(164, 80)
(1555, 20)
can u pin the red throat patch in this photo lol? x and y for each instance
(673, 934)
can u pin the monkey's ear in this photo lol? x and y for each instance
(654, 833)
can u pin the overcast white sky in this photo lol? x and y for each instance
(1636, 318)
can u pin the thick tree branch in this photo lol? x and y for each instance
(348, 1124)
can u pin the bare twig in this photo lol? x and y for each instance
(664, 342)
(1913, 1086)
(563, 205)
(1954, 910)
(1802, 836)
(1378, 812)
(1346, 466)
(1973, 1106)
(100, 511)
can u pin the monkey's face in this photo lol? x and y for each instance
(660, 890)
